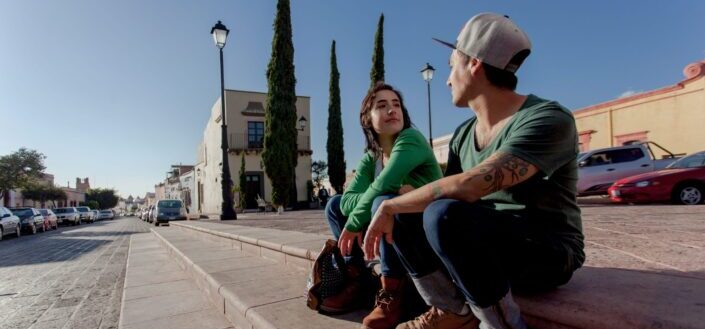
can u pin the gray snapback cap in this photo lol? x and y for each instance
(493, 39)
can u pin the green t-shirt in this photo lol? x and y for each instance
(542, 133)
(411, 162)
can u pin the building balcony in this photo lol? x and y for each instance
(250, 143)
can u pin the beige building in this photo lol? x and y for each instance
(245, 112)
(672, 116)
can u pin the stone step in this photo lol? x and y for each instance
(159, 294)
(610, 292)
(252, 289)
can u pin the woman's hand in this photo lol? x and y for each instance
(381, 227)
(346, 241)
(405, 189)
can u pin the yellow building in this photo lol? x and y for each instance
(672, 116)
(245, 112)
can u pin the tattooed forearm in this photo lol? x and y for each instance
(501, 171)
(436, 190)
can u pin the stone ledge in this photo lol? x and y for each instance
(245, 288)
(597, 296)
(158, 294)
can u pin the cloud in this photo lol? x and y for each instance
(629, 93)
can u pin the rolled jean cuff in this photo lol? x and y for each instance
(438, 290)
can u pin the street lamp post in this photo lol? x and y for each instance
(427, 74)
(220, 34)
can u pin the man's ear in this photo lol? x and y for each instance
(474, 65)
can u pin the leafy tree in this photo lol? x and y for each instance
(377, 72)
(280, 155)
(309, 190)
(19, 169)
(41, 192)
(106, 198)
(243, 183)
(320, 172)
(91, 204)
(334, 144)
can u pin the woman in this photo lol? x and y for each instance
(397, 160)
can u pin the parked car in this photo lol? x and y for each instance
(168, 210)
(105, 214)
(150, 214)
(9, 223)
(31, 220)
(68, 215)
(599, 169)
(50, 221)
(86, 214)
(682, 182)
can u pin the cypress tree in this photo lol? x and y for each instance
(280, 155)
(377, 72)
(243, 183)
(334, 145)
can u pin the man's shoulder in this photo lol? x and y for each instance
(537, 106)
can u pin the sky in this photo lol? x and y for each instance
(118, 91)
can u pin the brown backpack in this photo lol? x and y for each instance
(327, 277)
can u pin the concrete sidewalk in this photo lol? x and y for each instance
(159, 294)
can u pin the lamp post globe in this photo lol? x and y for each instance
(220, 35)
(427, 74)
(302, 123)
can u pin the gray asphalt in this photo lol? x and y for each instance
(68, 278)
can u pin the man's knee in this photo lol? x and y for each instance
(435, 218)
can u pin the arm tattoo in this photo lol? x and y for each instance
(495, 173)
(436, 190)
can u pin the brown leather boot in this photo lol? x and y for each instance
(388, 305)
(349, 298)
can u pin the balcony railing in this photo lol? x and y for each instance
(246, 142)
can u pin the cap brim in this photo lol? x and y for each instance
(447, 44)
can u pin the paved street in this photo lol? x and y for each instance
(69, 278)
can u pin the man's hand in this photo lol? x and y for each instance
(346, 241)
(405, 189)
(381, 227)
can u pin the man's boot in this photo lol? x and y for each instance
(435, 318)
(388, 305)
(348, 299)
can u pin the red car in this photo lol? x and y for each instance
(681, 182)
(50, 221)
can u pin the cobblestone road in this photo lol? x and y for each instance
(69, 278)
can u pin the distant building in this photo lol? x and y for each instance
(245, 113)
(671, 116)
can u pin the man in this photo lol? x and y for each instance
(505, 216)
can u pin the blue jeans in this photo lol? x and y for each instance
(485, 251)
(391, 267)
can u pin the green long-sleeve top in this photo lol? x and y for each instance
(411, 162)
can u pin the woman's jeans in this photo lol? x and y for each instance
(391, 266)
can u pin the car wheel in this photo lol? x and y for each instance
(689, 194)
(18, 231)
(156, 223)
(44, 228)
